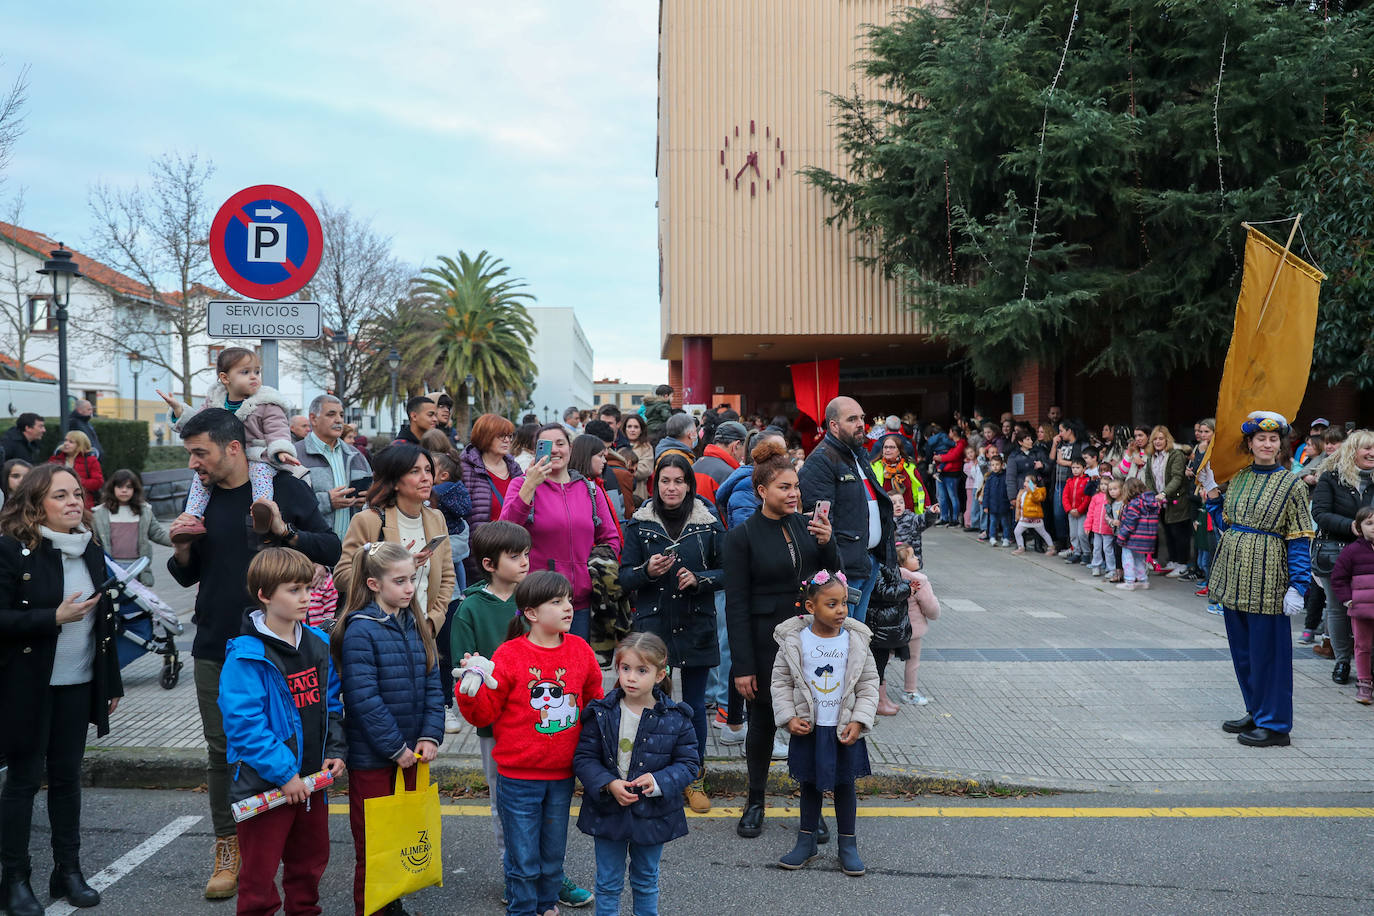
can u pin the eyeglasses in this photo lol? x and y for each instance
(505, 435)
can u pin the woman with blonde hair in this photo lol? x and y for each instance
(74, 453)
(1342, 490)
(1165, 475)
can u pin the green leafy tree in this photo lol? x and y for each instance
(472, 321)
(1062, 180)
(1339, 183)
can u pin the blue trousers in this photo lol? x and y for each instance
(1056, 519)
(1262, 652)
(859, 609)
(582, 623)
(534, 819)
(610, 876)
(998, 526)
(718, 684)
(949, 488)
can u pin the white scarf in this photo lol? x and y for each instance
(74, 657)
(72, 544)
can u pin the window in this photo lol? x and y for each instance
(215, 351)
(596, 400)
(41, 316)
(636, 400)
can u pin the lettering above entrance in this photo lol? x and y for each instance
(752, 157)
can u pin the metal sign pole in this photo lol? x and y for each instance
(269, 362)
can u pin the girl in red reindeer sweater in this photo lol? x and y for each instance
(532, 692)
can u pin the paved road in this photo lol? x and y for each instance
(969, 857)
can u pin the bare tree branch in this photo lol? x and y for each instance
(12, 117)
(18, 286)
(157, 236)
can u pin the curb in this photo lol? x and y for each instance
(176, 768)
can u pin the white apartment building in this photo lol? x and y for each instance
(562, 358)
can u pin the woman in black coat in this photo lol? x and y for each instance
(671, 561)
(767, 560)
(58, 673)
(1341, 491)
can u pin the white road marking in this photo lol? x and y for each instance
(132, 859)
(1043, 614)
(963, 605)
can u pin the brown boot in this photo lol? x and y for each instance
(1324, 648)
(697, 799)
(224, 883)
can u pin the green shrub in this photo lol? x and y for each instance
(124, 443)
(165, 458)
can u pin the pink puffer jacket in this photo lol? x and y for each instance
(922, 606)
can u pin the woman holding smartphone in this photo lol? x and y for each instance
(402, 480)
(672, 564)
(566, 516)
(767, 560)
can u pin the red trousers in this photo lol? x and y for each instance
(362, 785)
(296, 837)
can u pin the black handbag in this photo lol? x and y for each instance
(1324, 554)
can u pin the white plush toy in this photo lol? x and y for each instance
(480, 668)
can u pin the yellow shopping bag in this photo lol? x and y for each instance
(402, 840)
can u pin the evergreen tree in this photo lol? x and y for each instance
(1056, 178)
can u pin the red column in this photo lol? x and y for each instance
(1035, 383)
(696, 370)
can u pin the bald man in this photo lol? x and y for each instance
(300, 427)
(838, 470)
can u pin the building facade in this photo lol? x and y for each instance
(625, 395)
(562, 357)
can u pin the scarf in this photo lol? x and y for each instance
(72, 545)
(674, 520)
(895, 476)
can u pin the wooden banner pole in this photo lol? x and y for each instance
(1275, 280)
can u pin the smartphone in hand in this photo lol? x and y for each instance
(434, 542)
(543, 450)
(822, 511)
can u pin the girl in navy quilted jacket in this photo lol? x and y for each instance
(393, 699)
(636, 754)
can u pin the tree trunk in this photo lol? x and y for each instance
(1149, 396)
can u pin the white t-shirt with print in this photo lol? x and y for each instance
(823, 663)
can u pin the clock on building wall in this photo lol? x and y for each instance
(752, 158)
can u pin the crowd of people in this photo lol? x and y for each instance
(357, 604)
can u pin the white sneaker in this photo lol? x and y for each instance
(1126, 586)
(1006, 543)
(452, 721)
(914, 698)
(728, 735)
(1095, 571)
(1176, 570)
(780, 745)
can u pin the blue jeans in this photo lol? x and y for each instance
(534, 818)
(948, 487)
(582, 624)
(999, 526)
(1059, 522)
(975, 516)
(859, 609)
(694, 695)
(610, 876)
(718, 684)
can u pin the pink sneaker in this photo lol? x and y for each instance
(1365, 693)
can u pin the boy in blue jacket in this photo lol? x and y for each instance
(283, 719)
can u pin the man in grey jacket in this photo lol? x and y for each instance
(334, 465)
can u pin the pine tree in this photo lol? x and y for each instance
(1064, 180)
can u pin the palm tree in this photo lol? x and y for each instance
(475, 324)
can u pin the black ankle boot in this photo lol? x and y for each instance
(18, 896)
(68, 883)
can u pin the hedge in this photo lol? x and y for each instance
(124, 443)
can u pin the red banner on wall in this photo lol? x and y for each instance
(814, 385)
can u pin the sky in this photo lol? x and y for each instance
(523, 128)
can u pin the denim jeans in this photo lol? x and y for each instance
(975, 510)
(693, 684)
(718, 684)
(582, 624)
(999, 526)
(1104, 557)
(534, 818)
(1056, 519)
(859, 609)
(610, 876)
(948, 488)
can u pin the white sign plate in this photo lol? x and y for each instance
(284, 319)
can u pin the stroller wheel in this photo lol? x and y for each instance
(171, 673)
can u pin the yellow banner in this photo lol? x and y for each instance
(1271, 347)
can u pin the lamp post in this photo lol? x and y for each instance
(393, 362)
(61, 270)
(135, 367)
(340, 340)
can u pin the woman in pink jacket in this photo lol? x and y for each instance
(566, 516)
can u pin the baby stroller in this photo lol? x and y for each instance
(145, 622)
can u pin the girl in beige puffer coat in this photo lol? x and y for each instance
(825, 692)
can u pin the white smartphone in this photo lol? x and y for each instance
(822, 509)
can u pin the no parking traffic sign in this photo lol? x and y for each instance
(266, 242)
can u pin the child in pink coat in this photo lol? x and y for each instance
(922, 607)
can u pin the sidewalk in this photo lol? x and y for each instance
(1038, 674)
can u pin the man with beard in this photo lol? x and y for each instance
(861, 514)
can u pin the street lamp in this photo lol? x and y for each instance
(471, 384)
(62, 271)
(393, 362)
(135, 367)
(340, 339)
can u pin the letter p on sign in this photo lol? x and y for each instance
(267, 242)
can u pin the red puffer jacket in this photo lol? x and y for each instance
(1076, 497)
(952, 461)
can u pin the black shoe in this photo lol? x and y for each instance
(1263, 737)
(751, 821)
(1236, 726)
(18, 895)
(68, 883)
(1341, 673)
(822, 832)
